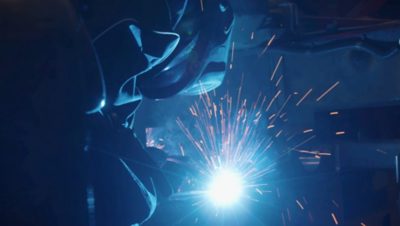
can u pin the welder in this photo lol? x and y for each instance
(72, 75)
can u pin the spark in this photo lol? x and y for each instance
(291, 137)
(283, 219)
(308, 152)
(304, 97)
(266, 47)
(303, 142)
(201, 5)
(252, 35)
(270, 144)
(299, 204)
(232, 51)
(282, 107)
(314, 152)
(381, 151)
(309, 160)
(279, 133)
(271, 117)
(335, 203)
(279, 81)
(334, 219)
(288, 214)
(224, 132)
(363, 224)
(273, 99)
(276, 68)
(308, 131)
(338, 133)
(225, 135)
(328, 90)
(182, 150)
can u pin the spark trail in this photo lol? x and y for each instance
(227, 134)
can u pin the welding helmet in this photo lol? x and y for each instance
(199, 61)
(182, 48)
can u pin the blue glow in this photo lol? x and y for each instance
(225, 188)
(222, 7)
(102, 103)
(136, 32)
(151, 199)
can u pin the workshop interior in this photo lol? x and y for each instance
(200, 112)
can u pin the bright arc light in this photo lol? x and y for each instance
(225, 188)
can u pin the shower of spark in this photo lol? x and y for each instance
(227, 134)
(234, 144)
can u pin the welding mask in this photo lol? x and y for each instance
(199, 62)
(183, 49)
